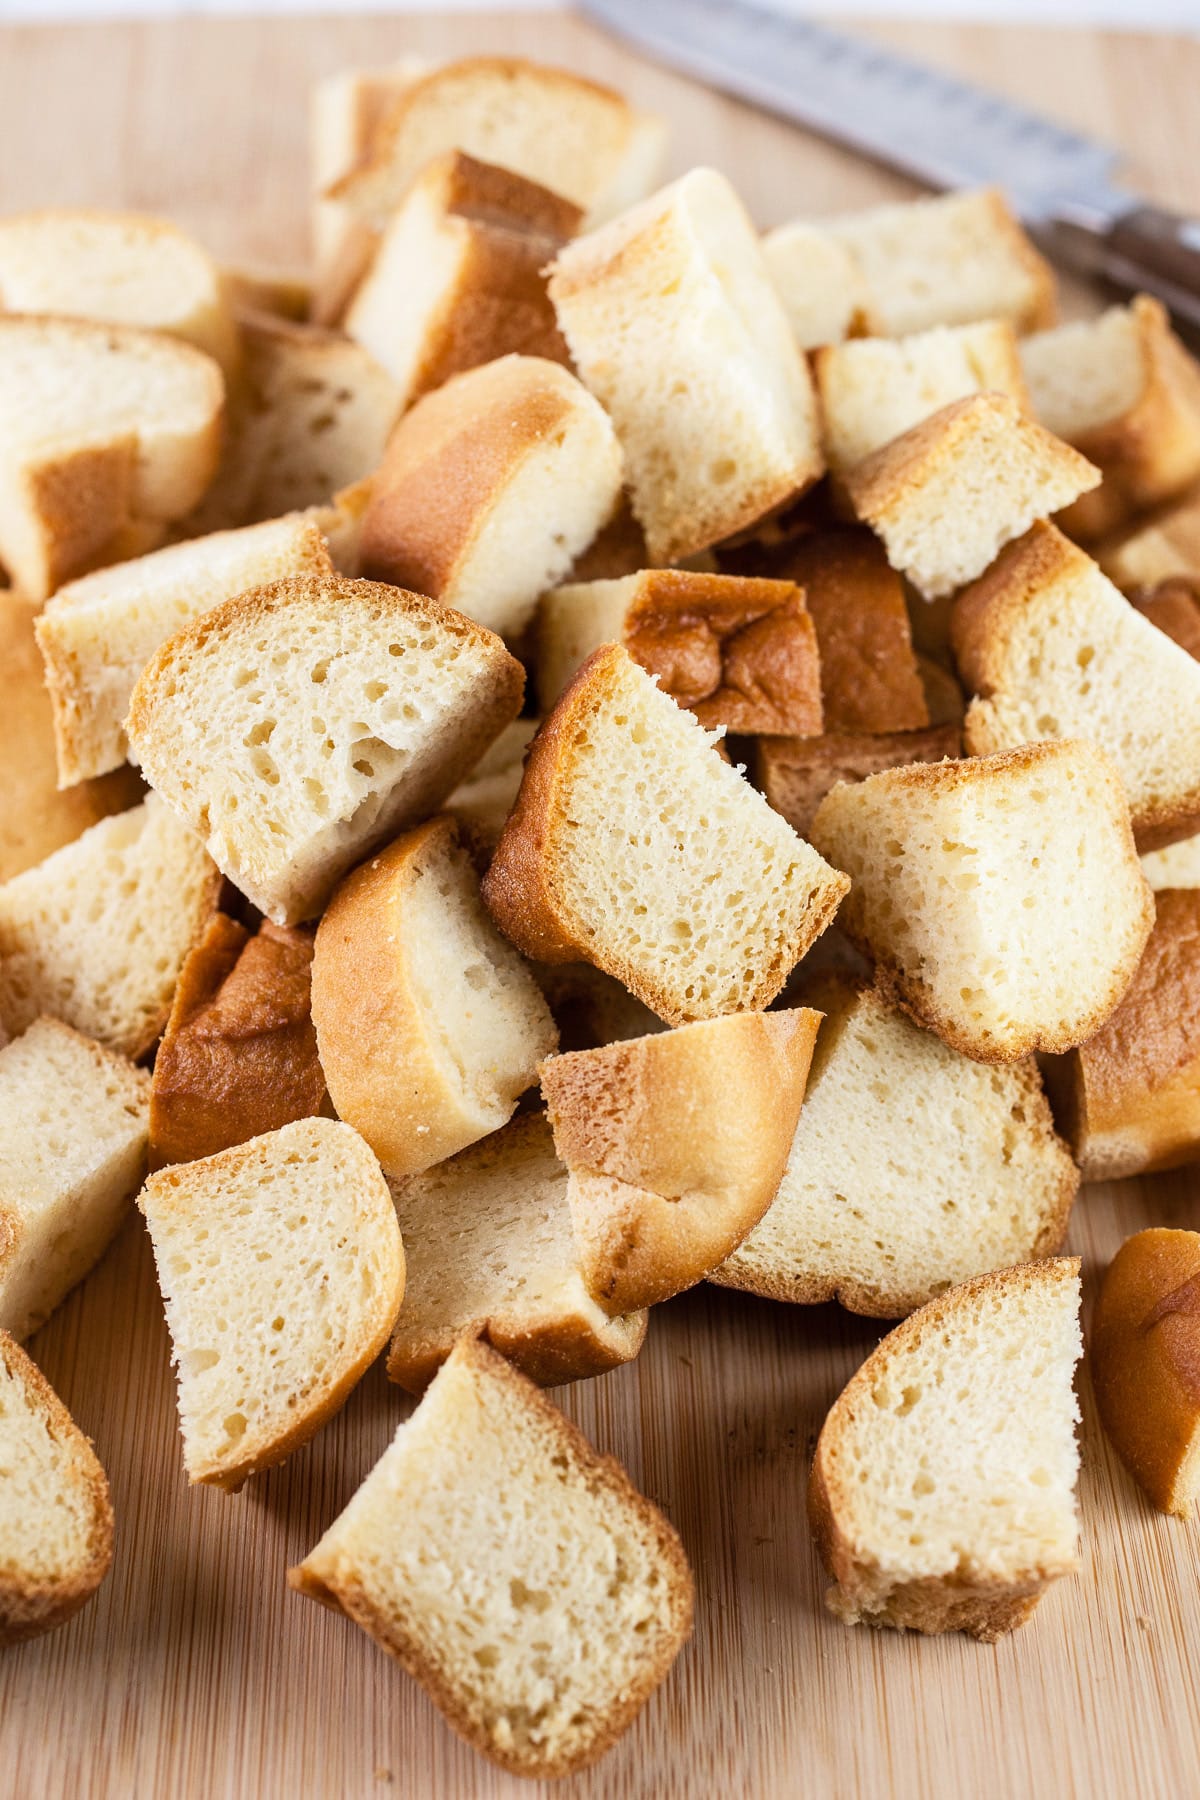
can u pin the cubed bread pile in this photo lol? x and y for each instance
(588, 753)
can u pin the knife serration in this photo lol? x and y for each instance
(942, 130)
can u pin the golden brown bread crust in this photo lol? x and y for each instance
(239, 1054)
(869, 676)
(1130, 1095)
(388, 1072)
(37, 818)
(1151, 452)
(795, 774)
(986, 1610)
(447, 460)
(1144, 1355)
(1174, 606)
(511, 229)
(676, 1145)
(735, 650)
(522, 890)
(603, 1472)
(27, 1608)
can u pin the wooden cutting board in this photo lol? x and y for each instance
(196, 1673)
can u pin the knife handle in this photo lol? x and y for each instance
(1146, 247)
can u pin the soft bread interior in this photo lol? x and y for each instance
(956, 1457)
(281, 1270)
(73, 1121)
(912, 1169)
(488, 1240)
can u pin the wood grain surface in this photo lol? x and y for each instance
(196, 1673)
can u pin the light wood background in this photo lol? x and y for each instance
(195, 1673)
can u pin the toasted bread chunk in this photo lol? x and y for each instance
(458, 277)
(484, 800)
(1001, 898)
(557, 1547)
(119, 269)
(1126, 393)
(1167, 544)
(734, 650)
(1143, 1353)
(101, 427)
(870, 680)
(299, 725)
(795, 774)
(72, 1156)
(491, 487)
(821, 284)
(949, 494)
(1129, 1098)
(35, 817)
(98, 633)
(943, 1489)
(309, 415)
(282, 1272)
(634, 847)
(56, 1521)
(874, 389)
(580, 139)
(676, 1145)
(673, 322)
(490, 1247)
(912, 1168)
(239, 1054)
(344, 110)
(97, 933)
(430, 1026)
(950, 260)
(1052, 649)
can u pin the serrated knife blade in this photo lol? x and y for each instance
(929, 124)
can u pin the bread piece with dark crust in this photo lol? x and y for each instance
(735, 650)
(634, 847)
(1129, 1098)
(557, 1546)
(942, 1495)
(239, 1054)
(1144, 1357)
(676, 1144)
(56, 1519)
